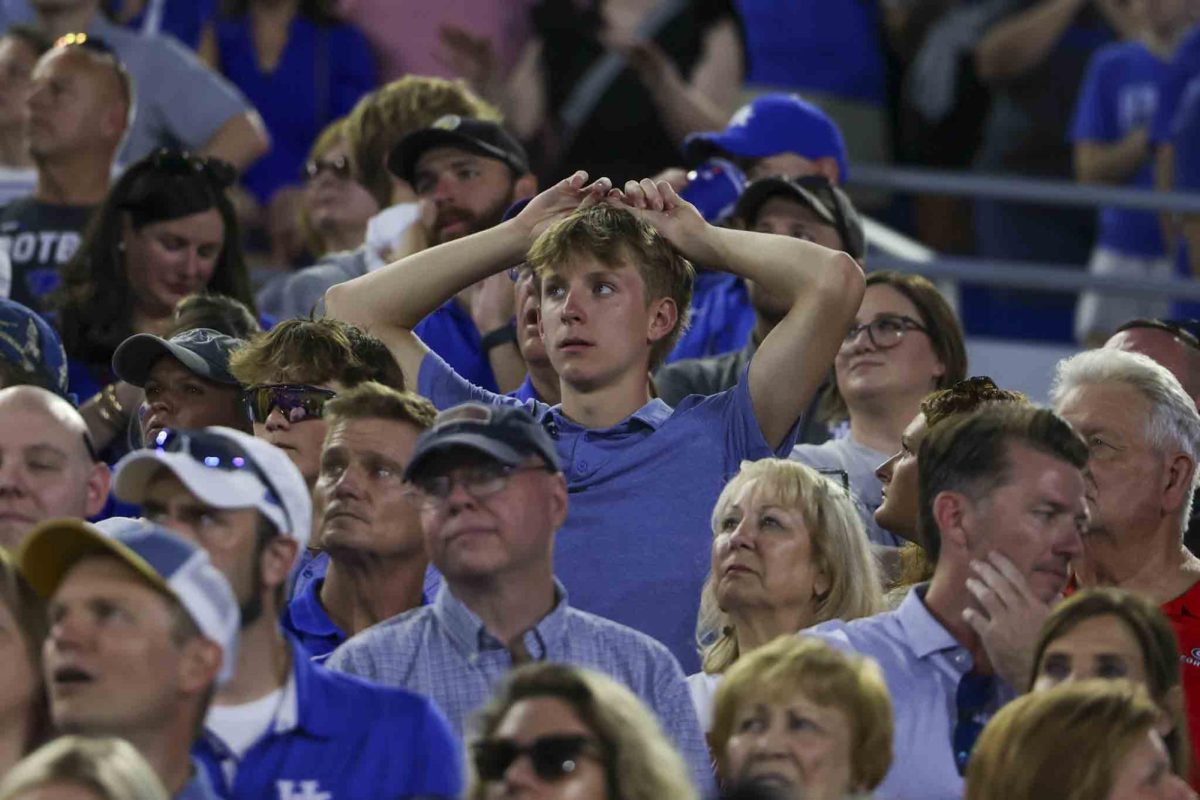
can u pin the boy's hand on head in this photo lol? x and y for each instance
(658, 204)
(560, 200)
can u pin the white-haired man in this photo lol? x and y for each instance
(1143, 436)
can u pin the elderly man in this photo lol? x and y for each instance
(1004, 490)
(279, 721)
(1143, 433)
(142, 630)
(48, 468)
(492, 496)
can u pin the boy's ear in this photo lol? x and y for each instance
(664, 316)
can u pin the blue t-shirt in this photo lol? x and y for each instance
(721, 318)
(1119, 96)
(183, 19)
(829, 46)
(321, 74)
(1184, 66)
(636, 545)
(339, 737)
(1185, 135)
(451, 333)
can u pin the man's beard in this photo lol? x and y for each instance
(490, 218)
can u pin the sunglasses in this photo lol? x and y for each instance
(553, 757)
(339, 167)
(180, 162)
(296, 401)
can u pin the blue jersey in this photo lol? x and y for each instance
(451, 333)
(1184, 66)
(1185, 135)
(721, 318)
(339, 737)
(1119, 96)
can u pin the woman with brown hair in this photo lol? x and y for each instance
(24, 713)
(905, 342)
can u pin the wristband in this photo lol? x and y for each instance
(493, 339)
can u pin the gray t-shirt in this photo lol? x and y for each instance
(859, 462)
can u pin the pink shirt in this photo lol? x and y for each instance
(404, 33)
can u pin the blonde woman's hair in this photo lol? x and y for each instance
(108, 766)
(639, 762)
(1066, 742)
(840, 549)
(796, 665)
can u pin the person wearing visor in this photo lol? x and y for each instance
(492, 495)
(143, 629)
(809, 208)
(278, 721)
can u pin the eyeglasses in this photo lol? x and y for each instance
(339, 167)
(885, 331)
(479, 482)
(973, 700)
(180, 162)
(296, 401)
(553, 757)
(216, 452)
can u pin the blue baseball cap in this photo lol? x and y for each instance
(28, 341)
(770, 125)
(168, 563)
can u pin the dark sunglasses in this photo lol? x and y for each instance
(296, 401)
(553, 757)
(339, 167)
(215, 452)
(180, 162)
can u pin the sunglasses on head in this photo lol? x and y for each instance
(338, 167)
(296, 401)
(180, 162)
(553, 757)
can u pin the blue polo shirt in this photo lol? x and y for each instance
(451, 333)
(636, 545)
(1184, 66)
(526, 391)
(339, 737)
(721, 318)
(1119, 96)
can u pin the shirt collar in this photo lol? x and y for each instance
(924, 633)
(471, 638)
(198, 787)
(652, 415)
(309, 616)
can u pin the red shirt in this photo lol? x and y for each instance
(1184, 615)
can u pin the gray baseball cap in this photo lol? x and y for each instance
(202, 351)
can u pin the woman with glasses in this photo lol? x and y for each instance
(1095, 740)
(905, 342)
(788, 552)
(1114, 634)
(335, 208)
(24, 714)
(799, 720)
(556, 731)
(165, 230)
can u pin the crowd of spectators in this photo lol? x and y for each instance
(492, 400)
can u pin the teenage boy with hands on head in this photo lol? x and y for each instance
(616, 283)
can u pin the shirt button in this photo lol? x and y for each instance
(583, 466)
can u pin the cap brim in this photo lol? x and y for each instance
(763, 189)
(56, 545)
(488, 446)
(136, 355)
(700, 146)
(219, 488)
(402, 161)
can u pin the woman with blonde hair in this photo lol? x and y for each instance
(804, 719)
(788, 552)
(78, 768)
(567, 732)
(1093, 740)
(24, 712)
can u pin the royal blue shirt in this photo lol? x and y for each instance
(1184, 66)
(451, 333)
(636, 544)
(183, 19)
(526, 391)
(306, 619)
(1185, 135)
(721, 318)
(339, 737)
(321, 74)
(1119, 96)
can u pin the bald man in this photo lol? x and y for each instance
(46, 467)
(78, 103)
(1163, 342)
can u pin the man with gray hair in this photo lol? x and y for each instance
(1143, 436)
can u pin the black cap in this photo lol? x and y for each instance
(509, 434)
(475, 135)
(815, 192)
(202, 351)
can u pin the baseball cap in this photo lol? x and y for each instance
(773, 124)
(508, 434)
(224, 468)
(475, 135)
(170, 564)
(203, 351)
(29, 342)
(815, 192)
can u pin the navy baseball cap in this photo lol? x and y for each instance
(474, 135)
(28, 341)
(773, 124)
(508, 434)
(815, 192)
(202, 351)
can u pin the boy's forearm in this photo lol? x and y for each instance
(783, 266)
